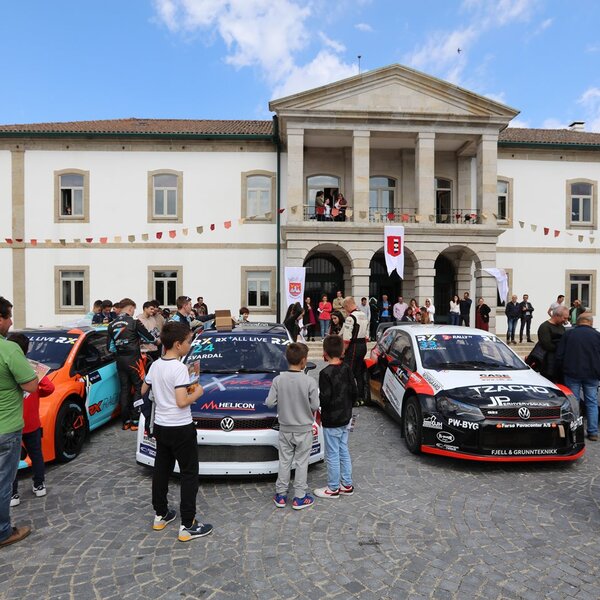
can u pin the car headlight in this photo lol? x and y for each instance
(570, 408)
(459, 410)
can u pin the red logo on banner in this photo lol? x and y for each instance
(394, 245)
(295, 288)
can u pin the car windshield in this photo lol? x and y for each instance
(50, 349)
(242, 353)
(451, 352)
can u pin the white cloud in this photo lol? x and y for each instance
(590, 100)
(520, 124)
(592, 48)
(552, 123)
(364, 27)
(544, 25)
(261, 33)
(500, 97)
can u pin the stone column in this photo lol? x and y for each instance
(295, 175)
(361, 274)
(360, 176)
(425, 174)
(487, 178)
(424, 278)
(463, 199)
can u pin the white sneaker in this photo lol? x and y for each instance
(327, 493)
(15, 500)
(39, 490)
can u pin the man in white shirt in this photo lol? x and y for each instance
(559, 302)
(364, 306)
(399, 308)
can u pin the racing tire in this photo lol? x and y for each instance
(70, 431)
(412, 425)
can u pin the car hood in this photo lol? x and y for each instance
(483, 387)
(241, 394)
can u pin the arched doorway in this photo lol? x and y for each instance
(444, 287)
(380, 282)
(324, 275)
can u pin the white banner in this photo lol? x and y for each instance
(294, 285)
(501, 280)
(393, 248)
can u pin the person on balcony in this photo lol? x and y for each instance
(339, 208)
(327, 216)
(320, 206)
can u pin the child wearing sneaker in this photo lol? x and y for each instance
(337, 392)
(297, 398)
(175, 432)
(32, 431)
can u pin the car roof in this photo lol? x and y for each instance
(433, 329)
(250, 328)
(60, 330)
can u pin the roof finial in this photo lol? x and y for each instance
(359, 57)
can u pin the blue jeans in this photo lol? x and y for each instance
(337, 457)
(33, 444)
(512, 327)
(454, 318)
(590, 399)
(324, 325)
(10, 452)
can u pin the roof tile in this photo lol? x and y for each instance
(549, 136)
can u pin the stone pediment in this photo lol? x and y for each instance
(394, 91)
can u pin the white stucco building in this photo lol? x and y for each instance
(84, 203)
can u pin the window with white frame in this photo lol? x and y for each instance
(258, 289)
(71, 195)
(165, 195)
(581, 203)
(381, 195)
(503, 190)
(443, 200)
(258, 197)
(165, 286)
(580, 288)
(72, 285)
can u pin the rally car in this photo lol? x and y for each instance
(237, 433)
(86, 384)
(462, 392)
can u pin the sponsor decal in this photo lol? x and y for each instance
(494, 377)
(212, 405)
(447, 447)
(227, 424)
(432, 423)
(524, 452)
(524, 413)
(432, 381)
(491, 389)
(95, 377)
(54, 340)
(95, 408)
(445, 437)
(148, 450)
(463, 424)
(528, 425)
(576, 423)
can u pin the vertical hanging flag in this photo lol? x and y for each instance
(212, 226)
(103, 240)
(227, 224)
(393, 248)
(294, 284)
(501, 281)
(158, 235)
(199, 230)
(556, 233)
(546, 230)
(33, 242)
(172, 233)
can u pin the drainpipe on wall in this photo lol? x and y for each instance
(278, 215)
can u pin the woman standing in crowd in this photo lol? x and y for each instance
(482, 315)
(408, 315)
(292, 320)
(430, 308)
(310, 319)
(324, 311)
(337, 321)
(341, 204)
(455, 310)
(415, 307)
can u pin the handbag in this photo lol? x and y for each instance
(536, 357)
(335, 212)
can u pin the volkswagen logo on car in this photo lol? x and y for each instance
(524, 413)
(227, 424)
(445, 437)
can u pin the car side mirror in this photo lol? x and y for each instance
(309, 367)
(395, 363)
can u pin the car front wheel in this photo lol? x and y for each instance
(412, 425)
(70, 431)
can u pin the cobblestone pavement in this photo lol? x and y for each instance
(417, 527)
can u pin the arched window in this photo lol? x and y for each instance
(328, 184)
(382, 195)
(443, 200)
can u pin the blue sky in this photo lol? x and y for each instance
(224, 59)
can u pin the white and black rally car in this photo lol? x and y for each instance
(462, 392)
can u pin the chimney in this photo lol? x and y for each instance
(577, 126)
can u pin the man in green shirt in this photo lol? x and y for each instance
(16, 376)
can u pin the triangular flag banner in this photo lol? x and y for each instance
(294, 209)
(533, 227)
(349, 213)
(592, 240)
(145, 237)
(184, 231)
(8, 240)
(227, 224)
(417, 218)
(76, 241)
(18, 240)
(172, 233)
(47, 241)
(89, 240)
(281, 210)
(580, 238)
(118, 239)
(212, 227)
(158, 235)
(546, 230)
(521, 224)
(103, 240)
(200, 230)
(432, 218)
(34, 242)
(62, 242)
(131, 238)
(556, 233)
